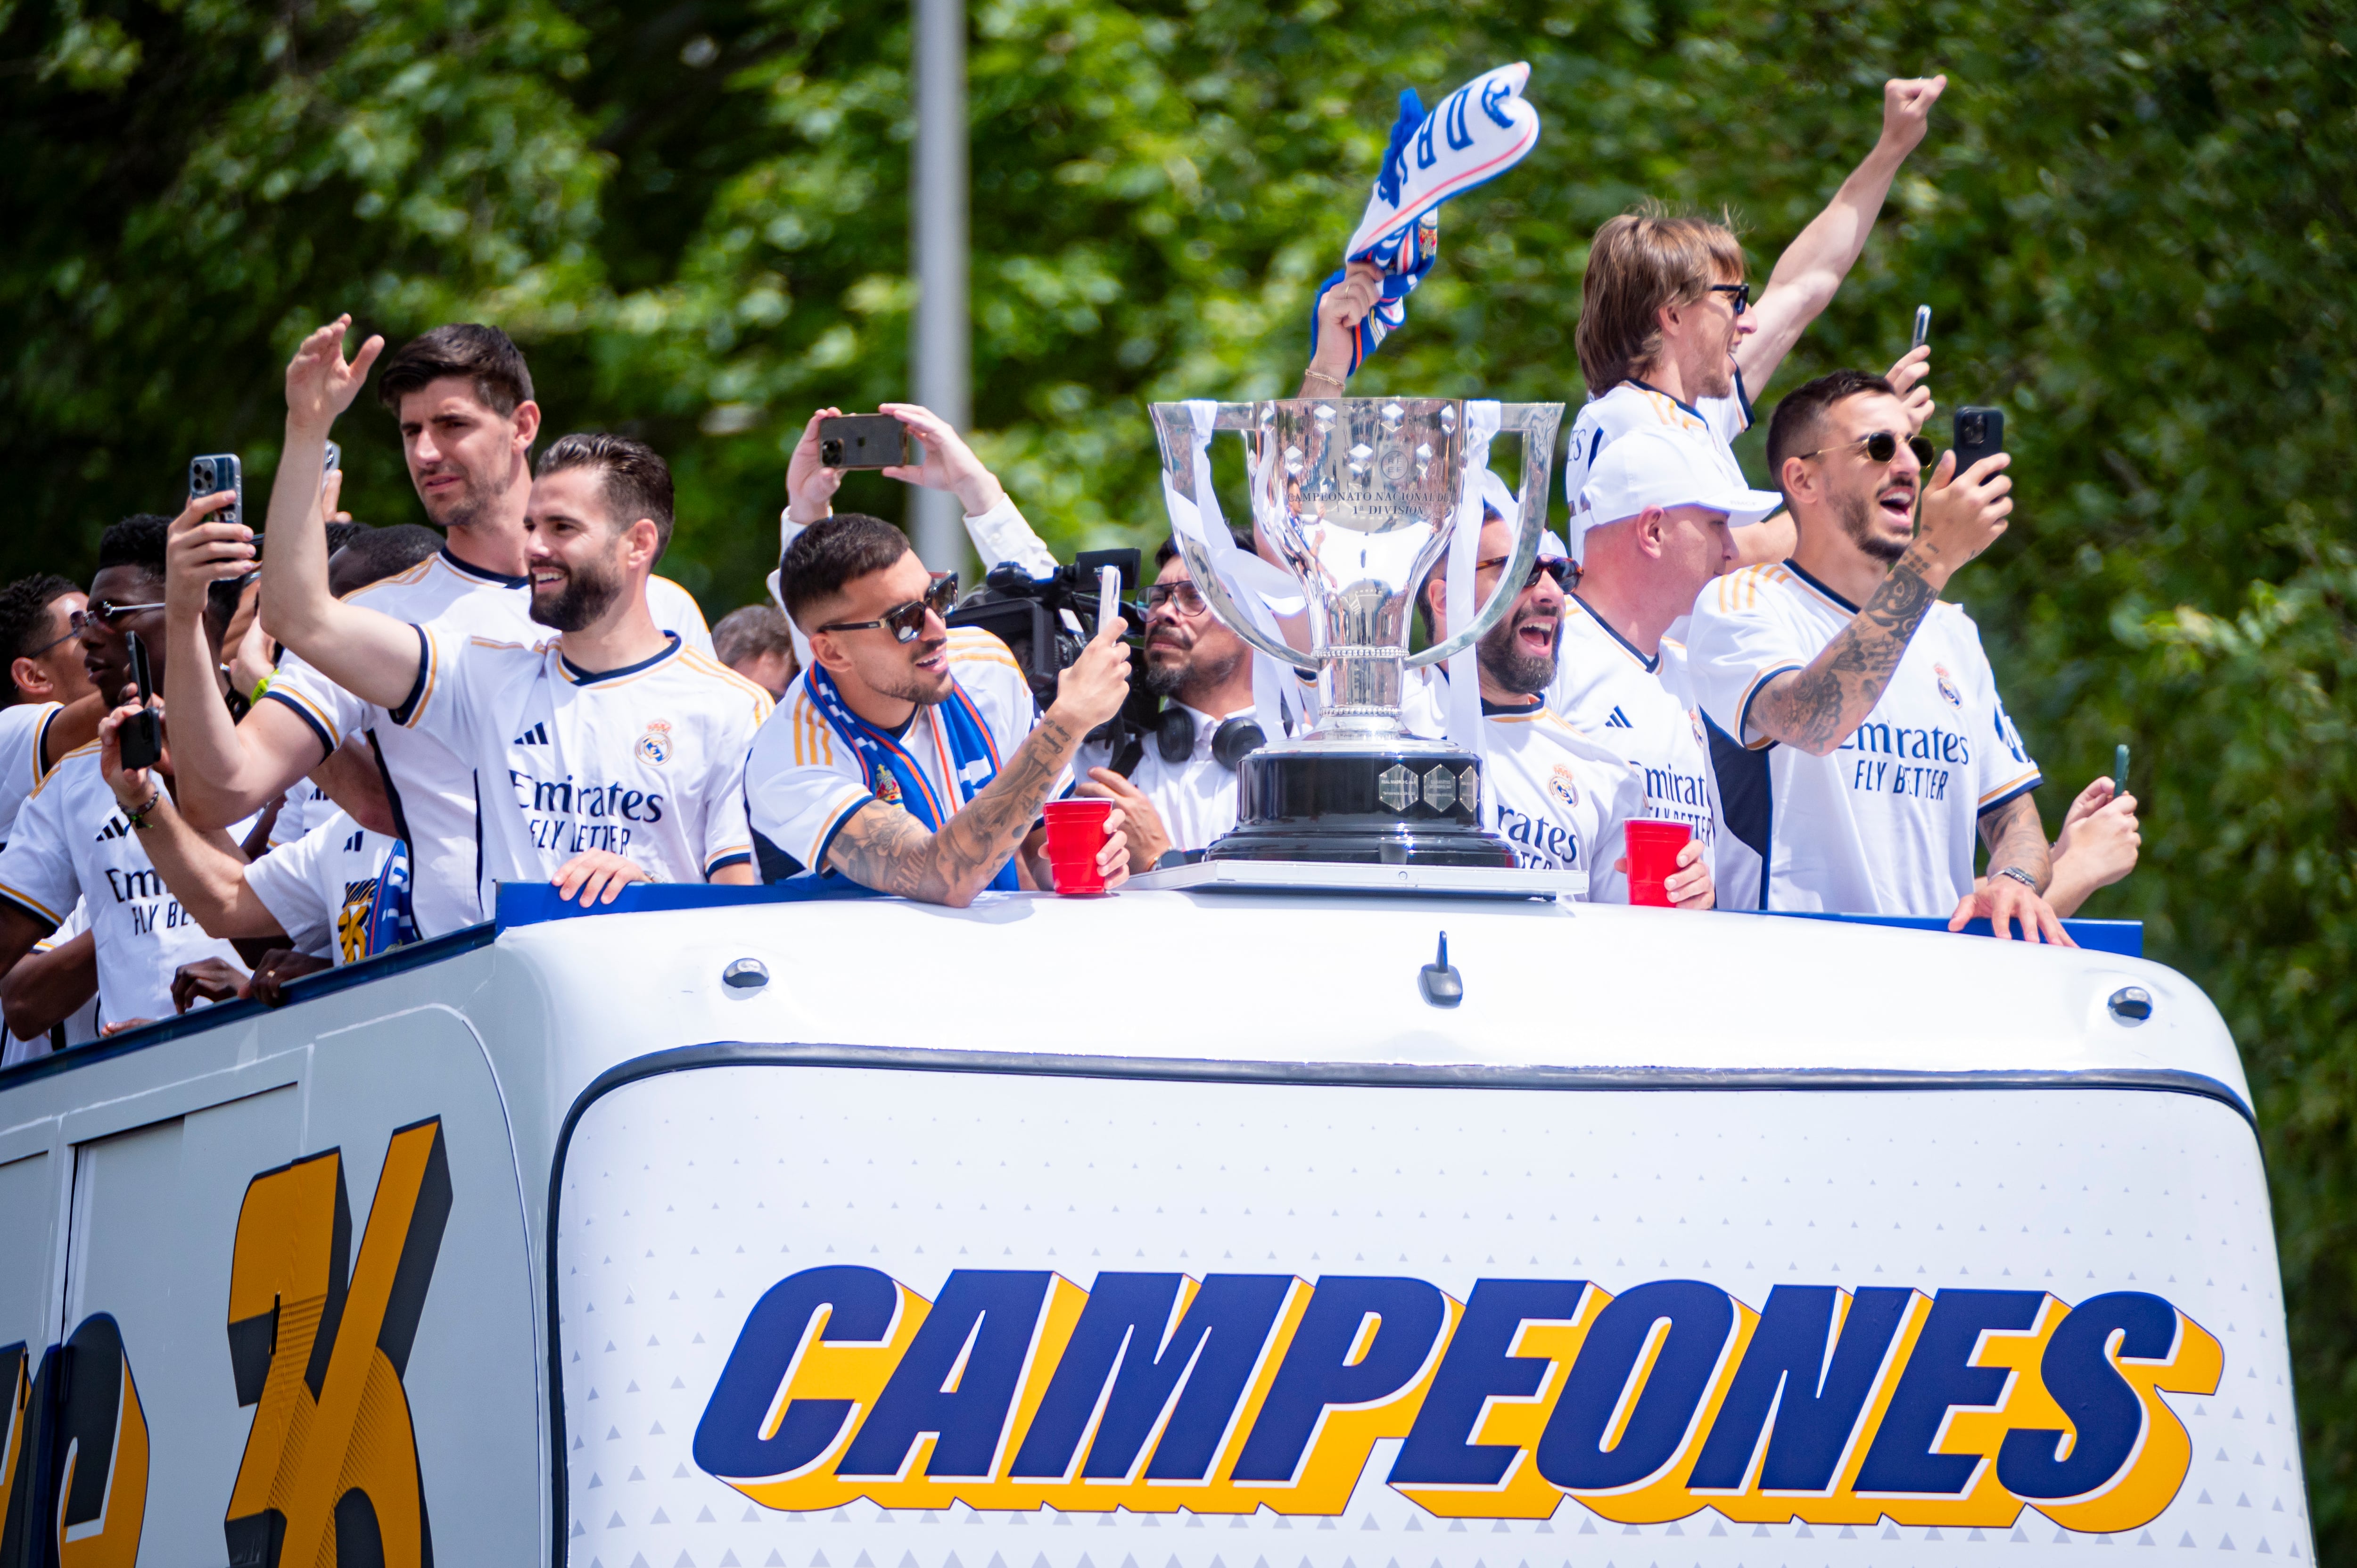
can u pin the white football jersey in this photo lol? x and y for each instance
(305, 803)
(74, 842)
(22, 726)
(1560, 798)
(1196, 798)
(431, 786)
(1633, 406)
(1886, 825)
(647, 761)
(1644, 710)
(804, 782)
(322, 888)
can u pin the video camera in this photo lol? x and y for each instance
(1046, 621)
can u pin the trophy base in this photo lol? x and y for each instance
(1413, 805)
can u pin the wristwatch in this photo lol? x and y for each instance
(2018, 875)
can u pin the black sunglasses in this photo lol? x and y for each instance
(1741, 291)
(1881, 446)
(107, 613)
(906, 622)
(1558, 567)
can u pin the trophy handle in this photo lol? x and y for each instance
(1174, 429)
(1537, 424)
(1208, 583)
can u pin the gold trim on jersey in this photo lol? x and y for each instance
(858, 798)
(16, 896)
(2016, 782)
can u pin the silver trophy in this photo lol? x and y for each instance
(1358, 498)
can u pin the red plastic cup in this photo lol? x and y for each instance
(1076, 834)
(1654, 846)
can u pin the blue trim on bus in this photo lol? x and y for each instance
(534, 903)
(2125, 938)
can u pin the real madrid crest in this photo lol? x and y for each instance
(1562, 785)
(887, 790)
(1948, 687)
(654, 747)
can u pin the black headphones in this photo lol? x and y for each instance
(1174, 738)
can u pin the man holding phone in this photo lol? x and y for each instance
(463, 396)
(75, 842)
(1874, 745)
(906, 757)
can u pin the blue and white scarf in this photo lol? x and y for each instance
(891, 774)
(1479, 132)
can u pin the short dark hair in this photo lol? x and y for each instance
(833, 553)
(137, 541)
(484, 355)
(749, 631)
(1169, 550)
(376, 554)
(25, 623)
(1793, 429)
(637, 481)
(339, 534)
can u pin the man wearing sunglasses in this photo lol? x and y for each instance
(74, 843)
(52, 707)
(1669, 333)
(1658, 521)
(607, 754)
(906, 757)
(1869, 747)
(1560, 798)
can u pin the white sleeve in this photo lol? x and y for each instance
(440, 702)
(727, 827)
(36, 869)
(332, 713)
(801, 786)
(287, 881)
(1735, 645)
(1002, 535)
(675, 609)
(2004, 767)
(788, 531)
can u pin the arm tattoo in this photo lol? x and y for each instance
(885, 848)
(2015, 837)
(1819, 707)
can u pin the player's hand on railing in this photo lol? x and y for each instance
(599, 875)
(206, 980)
(2005, 903)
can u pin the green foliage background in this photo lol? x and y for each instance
(2132, 219)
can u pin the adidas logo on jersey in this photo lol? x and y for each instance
(1619, 721)
(116, 828)
(536, 735)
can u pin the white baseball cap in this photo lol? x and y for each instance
(1665, 467)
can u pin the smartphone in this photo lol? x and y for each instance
(215, 473)
(1108, 597)
(2119, 769)
(1922, 327)
(863, 441)
(142, 735)
(333, 460)
(1980, 433)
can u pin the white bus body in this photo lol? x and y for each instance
(1167, 1230)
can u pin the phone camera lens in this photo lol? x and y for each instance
(830, 451)
(205, 475)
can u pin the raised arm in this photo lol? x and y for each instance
(227, 770)
(1814, 263)
(202, 871)
(1820, 706)
(885, 848)
(373, 656)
